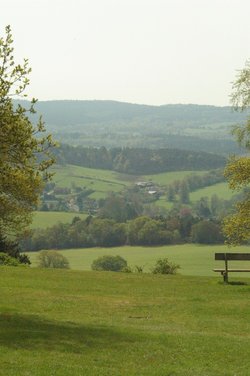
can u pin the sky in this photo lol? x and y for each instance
(139, 51)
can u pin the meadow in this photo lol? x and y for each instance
(221, 190)
(166, 178)
(101, 181)
(195, 260)
(57, 322)
(43, 219)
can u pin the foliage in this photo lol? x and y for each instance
(163, 266)
(237, 226)
(6, 259)
(174, 228)
(109, 263)
(22, 167)
(12, 249)
(206, 232)
(138, 268)
(138, 161)
(52, 259)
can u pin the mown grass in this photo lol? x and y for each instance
(55, 322)
(196, 260)
(47, 219)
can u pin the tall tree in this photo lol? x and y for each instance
(237, 226)
(24, 149)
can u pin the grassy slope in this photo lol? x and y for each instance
(47, 219)
(169, 177)
(194, 259)
(99, 180)
(59, 323)
(221, 190)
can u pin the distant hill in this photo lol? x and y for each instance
(111, 123)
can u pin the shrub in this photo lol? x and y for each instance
(139, 268)
(127, 269)
(52, 259)
(163, 266)
(109, 263)
(5, 259)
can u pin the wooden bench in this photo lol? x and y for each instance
(232, 257)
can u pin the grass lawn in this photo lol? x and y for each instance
(196, 260)
(56, 322)
(47, 219)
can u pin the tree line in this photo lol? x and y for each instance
(138, 161)
(143, 230)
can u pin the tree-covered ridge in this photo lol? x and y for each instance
(84, 112)
(138, 161)
(112, 124)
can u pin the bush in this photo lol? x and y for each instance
(109, 263)
(139, 268)
(5, 259)
(163, 266)
(52, 259)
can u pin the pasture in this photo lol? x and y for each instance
(195, 260)
(98, 180)
(57, 322)
(48, 219)
(166, 178)
(221, 190)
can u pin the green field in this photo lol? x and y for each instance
(166, 178)
(47, 219)
(221, 190)
(98, 180)
(58, 323)
(197, 260)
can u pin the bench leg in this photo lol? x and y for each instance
(225, 276)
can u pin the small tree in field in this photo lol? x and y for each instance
(52, 259)
(109, 263)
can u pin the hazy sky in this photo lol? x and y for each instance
(140, 51)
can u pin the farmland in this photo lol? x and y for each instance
(47, 219)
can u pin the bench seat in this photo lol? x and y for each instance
(231, 270)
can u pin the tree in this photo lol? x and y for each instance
(237, 172)
(52, 259)
(206, 232)
(109, 263)
(12, 249)
(184, 192)
(24, 150)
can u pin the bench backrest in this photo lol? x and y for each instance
(232, 256)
